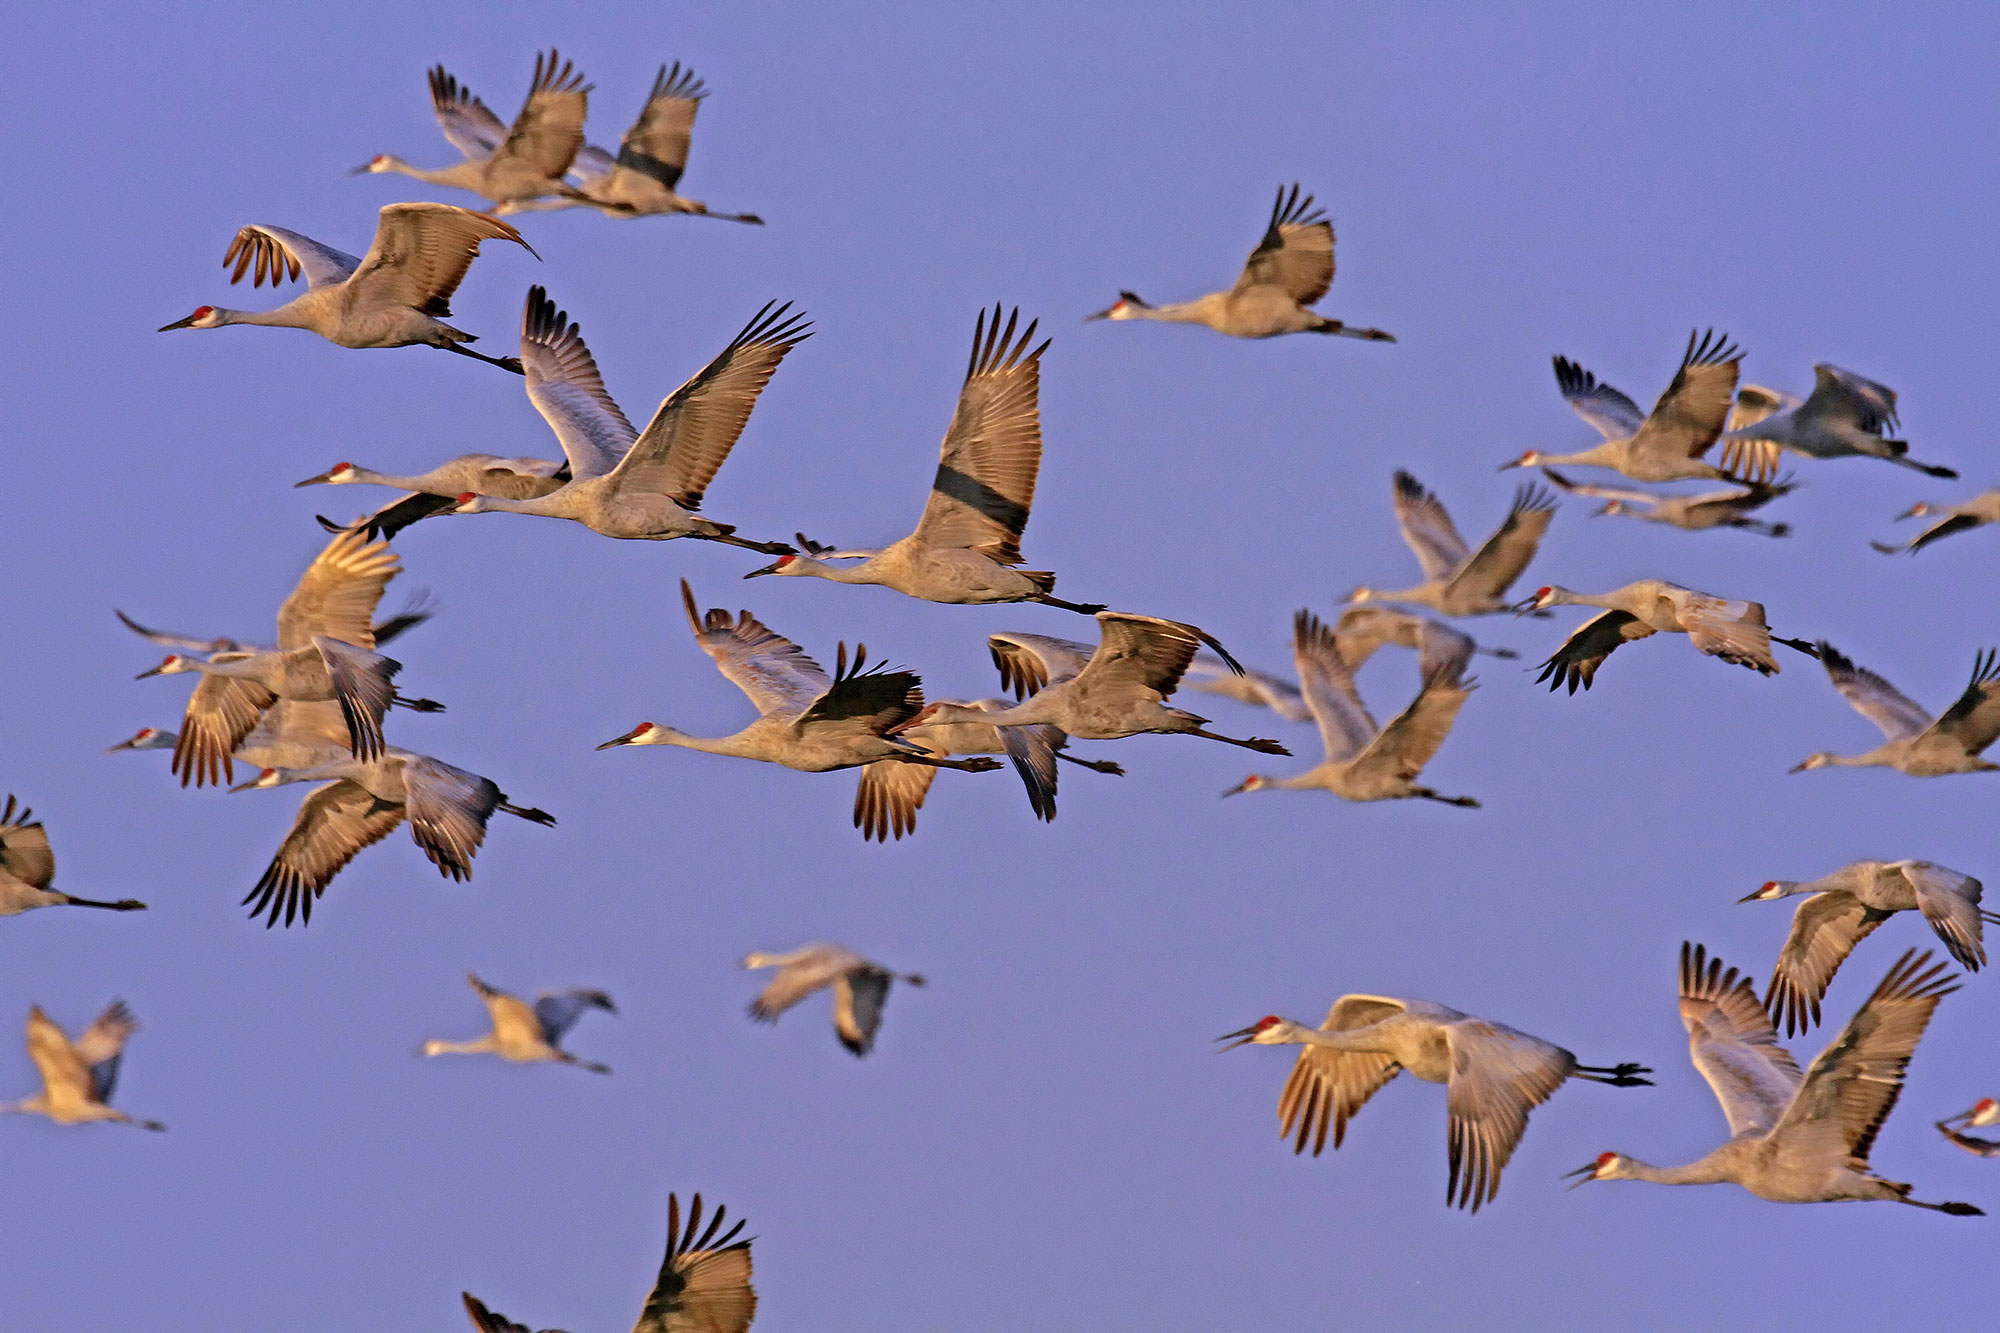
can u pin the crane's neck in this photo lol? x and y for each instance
(478, 1046)
(1424, 594)
(461, 175)
(35, 1105)
(1354, 1039)
(1709, 1170)
(1609, 454)
(737, 745)
(287, 316)
(866, 571)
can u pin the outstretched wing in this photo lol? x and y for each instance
(1030, 663)
(421, 253)
(558, 1010)
(873, 699)
(467, 122)
(1691, 413)
(1498, 1075)
(1147, 651)
(1611, 413)
(1843, 396)
(24, 846)
(1327, 1086)
(1345, 726)
(1296, 253)
(492, 1321)
(1873, 697)
(332, 825)
(276, 255)
(337, 595)
(1950, 903)
(704, 1283)
(1507, 552)
(985, 483)
(1427, 528)
(221, 712)
(888, 796)
(1414, 736)
(775, 672)
(448, 809)
(566, 388)
(686, 442)
(1825, 929)
(1575, 663)
(1973, 720)
(858, 996)
(102, 1046)
(657, 144)
(549, 130)
(1732, 1043)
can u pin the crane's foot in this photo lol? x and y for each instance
(1081, 608)
(1618, 1076)
(418, 705)
(1094, 765)
(1258, 743)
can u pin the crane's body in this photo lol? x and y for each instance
(1917, 743)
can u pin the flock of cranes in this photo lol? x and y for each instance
(315, 706)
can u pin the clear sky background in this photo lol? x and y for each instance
(1043, 1139)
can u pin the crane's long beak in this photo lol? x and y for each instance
(1524, 607)
(246, 786)
(1241, 786)
(767, 569)
(1913, 511)
(1235, 1039)
(177, 324)
(1963, 1117)
(326, 476)
(152, 672)
(362, 170)
(616, 740)
(1755, 897)
(126, 744)
(1800, 767)
(1589, 1173)
(1510, 463)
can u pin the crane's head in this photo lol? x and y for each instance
(1127, 306)
(1532, 458)
(1270, 1030)
(379, 163)
(470, 503)
(172, 665)
(1773, 888)
(1917, 510)
(646, 733)
(1364, 593)
(1255, 782)
(784, 564)
(337, 475)
(269, 777)
(1607, 1166)
(146, 738)
(1820, 760)
(204, 317)
(1985, 1112)
(1612, 507)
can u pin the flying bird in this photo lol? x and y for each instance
(506, 166)
(1980, 510)
(1494, 1076)
(1845, 907)
(1289, 271)
(1845, 416)
(703, 1286)
(860, 988)
(1917, 744)
(1115, 690)
(1734, 631)
(1668, 444)
(78, 1077)
(1366, 762)
(28, 868)
(1691, 513)
(1796, 1138)
(1459, 581)
(640, 485)
(363, 802)
(967, 545)
(528, 1034)
(396, 295)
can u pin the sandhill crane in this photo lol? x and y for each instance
(968, 541)
(1796, 1138)
(703, 1286)
(1291, 269)
(1359, 632)
(889, 794)
(1734, 631)
(631, 484)
(860, 988)
(415, 612)
(1667, 445)
(505, 166)
(1494, 1076)
(639, 182)
(1118, 689)
(438, 490)
(1458, 581)
(1845, 907)
(1985, 1112)
(28, 867)
(526, 1034)
(1693, 513)
(1365, 762)
(79, 1077)
(1917, 744)
(1845, 416)
(290, 735)
(326, 641)
(1981, 509)
(1260, 689)
(396, 295)
(806, 720)
(362, 803)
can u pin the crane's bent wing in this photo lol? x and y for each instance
(1575, 663)
(1973, 720)
(1690, 414)
(1950, 903)
(656, 146)
(549, 130)
(1030, 663)
(1327, 685)
(448, 809)
(1610, 413)
(566, 388)
(332, 825)
(557, 1011)
(1427, 528)
(1326, 1088)
(888, 796)
(277, 255)
(1825, 929)
(337, 595)
(992, 454)
(1296, 252)
(1731, 1041)
(772, 670)
(1497, 1077)
(704, 1282)
(1874, 698)
(468, 123)
(1503, 556)
(221, 712)
(101, 1047)
(421, 253)
(24, 846)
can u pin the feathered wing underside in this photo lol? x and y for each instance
(549, 130)
(1575, 664)
(1825, 929)
(1854, 1084)
(1327, 685)
(1328, 1086)
(1147, 651)
(1690, 414)
(332, 825)
(1502, 557)
(557, 1011)
(690, 436)
(1427, 528)
(1032, 750)
(1950, 904)
(858, 996)
(656, 146)
(421, 253)
(448, 809)
(1414, 736)
(337, 595)
(363, 685)
(992, 454)
(1296, 252)
(274, 255)
(102, 1046)
(468, 123)
(1611, 413)
(772, 670)
(63, 1072)
(1973, 720)
(1030, 663)
(1874, 698)
(704, 1279)
(1843, 396)
(24, 846)
(1731, 1041)
(566, 388)
(888, 796)
(814, 967)
(221, 713)
(1498, 1075)
(1729, 629)
(1747, 455)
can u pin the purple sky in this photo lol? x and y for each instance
(1043, 1138)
